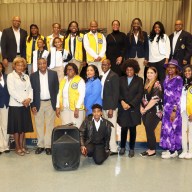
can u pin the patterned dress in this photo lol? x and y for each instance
(171, 131)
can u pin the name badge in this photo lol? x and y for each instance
(80, 39)
(100, 41)
(74, 86)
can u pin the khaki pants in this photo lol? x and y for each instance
(60, 72)
(45, 116)
(113, 120)
(4, 137)
(186, 133)
(67, 116)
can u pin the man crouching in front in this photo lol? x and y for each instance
(95, 133)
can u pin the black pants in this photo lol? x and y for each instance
(132, 138)
(150, 121)
(97, 151)
(160, 69)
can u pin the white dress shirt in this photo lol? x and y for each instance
(19, 89)
(89, 50)
(104, 76)
(17, 37)
(159, 50)
(175, 38)
(44, 86)
(2, 81)
(97, 123)
(81, 90)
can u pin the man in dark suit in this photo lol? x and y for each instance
(45, 86)
(95, 134)
(110, 96)
(181, 44)
(13, 43)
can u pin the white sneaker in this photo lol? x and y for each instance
(188, 156)
(166, 155)
(175, 154)
(164, 152)
(183, 155)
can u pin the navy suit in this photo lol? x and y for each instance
(139, 49)
(183, 47)
(53, 88)
(4, 94)
(9, 45)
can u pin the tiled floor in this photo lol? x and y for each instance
(35, 173)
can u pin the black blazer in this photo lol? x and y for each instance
(9, 45)
(111, 91)
(183, 47)
(139, 48)
(132, 95)
(4, 94)
(53, 88)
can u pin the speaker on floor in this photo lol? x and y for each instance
(65, 148)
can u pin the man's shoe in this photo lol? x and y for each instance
(122, 151)
(48, 151)
(7, 151)
(131, 153)
(113, 153)
(39, 150)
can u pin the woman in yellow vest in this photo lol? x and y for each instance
(70, 99)
(73, 43)
(31, 45)
(186, 113)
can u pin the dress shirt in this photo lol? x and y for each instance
(129, 79)
(136, 37)
(175, 38)
(2, 81)
(19, 89)
(90, 50)
(17, 37)
(44, 86)
(81, 90)
(97, 123)
(104, 76)
(72, 45)
(159, 50)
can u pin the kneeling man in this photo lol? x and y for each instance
(95, 133)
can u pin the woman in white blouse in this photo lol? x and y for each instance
(70, 99)
(159, 49)
(21, 95)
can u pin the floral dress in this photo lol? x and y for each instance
(171, 131)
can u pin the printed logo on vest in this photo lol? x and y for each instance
(74, 85)
(190, 90)
(100, 41)
(80, 39)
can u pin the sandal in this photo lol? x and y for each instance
(26, 151)
(19, 152)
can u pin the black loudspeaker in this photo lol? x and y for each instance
(65, 148)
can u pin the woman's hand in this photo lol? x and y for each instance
(84, 150)
(172, 116)
(119, 60)
(57, 112)
(26, 102)
(125, 105)
(76, 113)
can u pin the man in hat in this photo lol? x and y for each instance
(181, 44)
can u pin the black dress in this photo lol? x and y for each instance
(116, 43)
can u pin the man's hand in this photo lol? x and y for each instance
(76, 113)
(5, 62)
(84, 150)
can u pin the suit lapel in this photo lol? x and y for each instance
(12, 33)
(49, 80)
(132, 82)
(178, 44)
(38, 81)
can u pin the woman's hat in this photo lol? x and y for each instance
(173, 62)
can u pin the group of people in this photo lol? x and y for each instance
(128, 78)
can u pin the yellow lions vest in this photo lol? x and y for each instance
(93, 45)
(73, 93)
(189, 101)
(78, 47)
(29, 45)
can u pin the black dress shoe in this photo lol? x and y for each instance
(113, 153)
(7, 151)
(122, 151)
(146, 154)
(39, 150)
(48, 151)
(131, 153)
